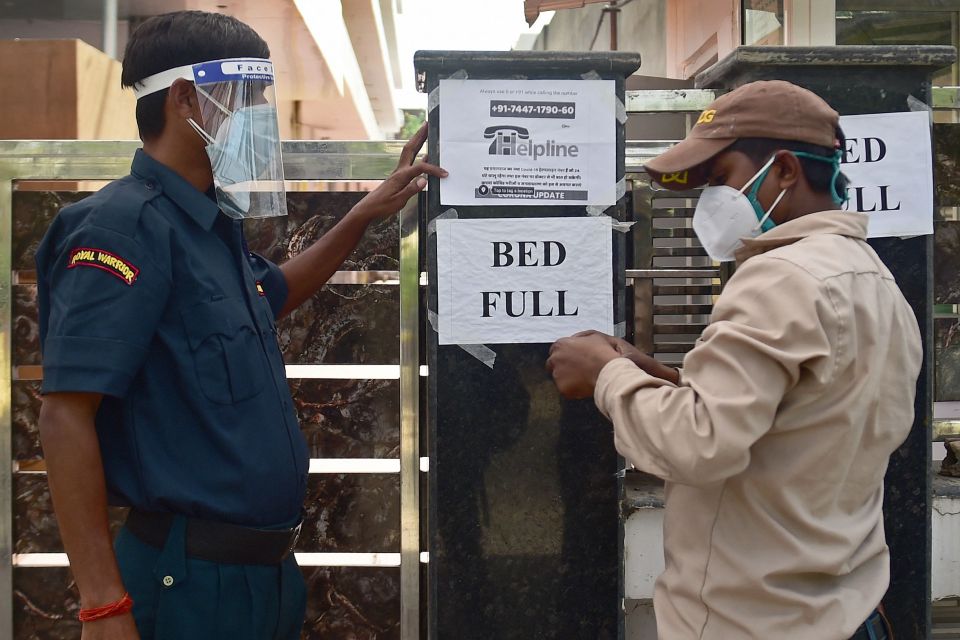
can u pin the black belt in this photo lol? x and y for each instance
(217, 541)
(873, 629)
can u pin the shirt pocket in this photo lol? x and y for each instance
(227, 354)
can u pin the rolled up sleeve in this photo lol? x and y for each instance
(772, 321)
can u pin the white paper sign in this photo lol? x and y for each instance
(510, 280)
(888, 158)
(528, 142)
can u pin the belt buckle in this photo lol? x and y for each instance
(295, 535)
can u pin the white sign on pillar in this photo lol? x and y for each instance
(889, 160)
(528, 142)
(523, 280)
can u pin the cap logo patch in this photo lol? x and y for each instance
(105, 261)
(680, 177)
(707, 116)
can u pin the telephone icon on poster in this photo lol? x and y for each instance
(505, 139)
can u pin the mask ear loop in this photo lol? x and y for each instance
(759, 174)
(763, 220)
(216, 103)
(203, 134)
(838, 198)
(757, 181)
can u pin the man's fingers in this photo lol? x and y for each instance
(413, 146)
(413, 188)
(406, 174)
(593, 332)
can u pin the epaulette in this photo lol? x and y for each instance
(120, 205)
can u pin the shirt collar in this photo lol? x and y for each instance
(194, 203)
(842, 223)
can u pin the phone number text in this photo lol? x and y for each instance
(528, 109)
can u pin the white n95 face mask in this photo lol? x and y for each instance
(725, 216)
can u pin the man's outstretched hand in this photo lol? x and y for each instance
(407, 180)
(575, 362)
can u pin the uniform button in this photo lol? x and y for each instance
(149, 185)
(168, 581)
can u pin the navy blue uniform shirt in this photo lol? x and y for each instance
(149, 295)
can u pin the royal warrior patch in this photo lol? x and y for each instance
(105, 261)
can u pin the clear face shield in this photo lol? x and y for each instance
(240, 127)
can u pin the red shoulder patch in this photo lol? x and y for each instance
(105, 261)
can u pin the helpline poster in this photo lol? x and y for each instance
(528, 142)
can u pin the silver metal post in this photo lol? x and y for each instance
(409, 422)
(110, 28)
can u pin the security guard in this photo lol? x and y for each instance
(164, 386)
(774, 438)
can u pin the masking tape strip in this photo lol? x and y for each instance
(917, 105)
(449, 214)
(619, 191)
(621, 187)
(620, 329)
(591, 75)
(433, 99)
(481, 352)
(621, 112)
(596, 210)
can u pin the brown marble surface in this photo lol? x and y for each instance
(355, 513)
(34, 524)
(26, 327)
(32, 213)
(352, 603)
(344, 324)
(25, 411)
(349, 418)
(45, 604)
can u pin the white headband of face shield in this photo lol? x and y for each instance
(226, 70)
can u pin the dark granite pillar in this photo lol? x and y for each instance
(877, 79)
(524, 530)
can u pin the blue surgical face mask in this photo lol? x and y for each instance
(245, 141)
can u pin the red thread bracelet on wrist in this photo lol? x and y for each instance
(118, 608)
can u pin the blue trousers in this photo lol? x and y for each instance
(181, 598)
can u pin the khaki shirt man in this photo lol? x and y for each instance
(774, 439)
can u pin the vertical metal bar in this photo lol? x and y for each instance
(110, 28)
(409, 422)
(6, 414)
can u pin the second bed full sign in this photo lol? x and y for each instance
(511, 280)
(528, 142)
